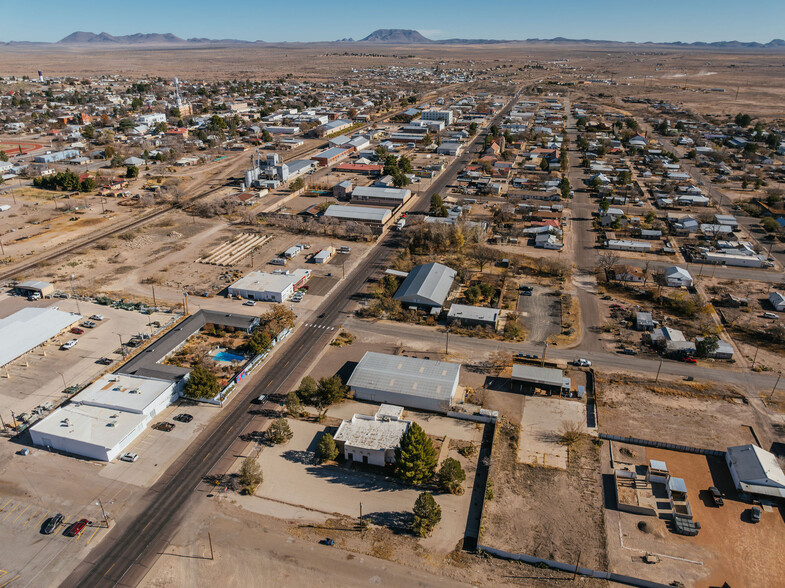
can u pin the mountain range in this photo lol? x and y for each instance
(385, 37)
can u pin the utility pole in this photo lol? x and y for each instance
(544, 351)
(447, 342)
(122, 347)
(658, 372)
(777, 383)
(155, 305)
(210, 539)
(755, 357)
(103, 512)
(65, 386)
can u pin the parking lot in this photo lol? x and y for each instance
(540, 313)
(41, 375)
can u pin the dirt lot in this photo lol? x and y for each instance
(546, 512)
(688, 413)
(728, 547)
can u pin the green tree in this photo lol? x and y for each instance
(136, 103)
(706, 346)
(770, 225)
(544, 165)
(326, 449)
(297, 184)
(259, 342)
(415, 457)
(201, 383)
(744, 183)
(3, 156)
(743, 120)
(87, 185)
(279, 431)
(266, 136)
(436, 202)
(250, 475)
(125, 124)
(132, 171)
(294, 407)
(109, 152)
(565, 187)
(473, 129)
(451, 476)
(331, 390)
(427, 514)
(307, 389)
(88, 132)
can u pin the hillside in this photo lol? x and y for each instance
(397, 36)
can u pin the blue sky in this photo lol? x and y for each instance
(325, 20)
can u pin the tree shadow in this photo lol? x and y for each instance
(301, 457)
(399, 522)
(366, 481)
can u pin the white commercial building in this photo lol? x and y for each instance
(28, 328)
(151, 119)
(444, 115)
(372, 439)
(269, 287)
(104, 418)
(405, 381)
(361, 214)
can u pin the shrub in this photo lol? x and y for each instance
(326, 449)
(201, 383)
(250, 475)
(279, 431)
(451, 476)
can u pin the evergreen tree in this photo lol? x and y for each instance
(326, 449)
(451, 475)
(250, 475)
(427, 514)
(279, 431)
(415, 457)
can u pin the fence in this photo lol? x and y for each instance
(478, 418)
(661, 445)
(572, 568)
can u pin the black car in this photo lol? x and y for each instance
(716, 496)
(755, 513)
(184, 418)
(52, 523)
(104, 361)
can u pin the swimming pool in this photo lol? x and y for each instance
(228, 357)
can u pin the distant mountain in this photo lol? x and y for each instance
(395, 36)
(82, 37)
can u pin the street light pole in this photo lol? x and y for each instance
(65, 386)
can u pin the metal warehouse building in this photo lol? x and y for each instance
(29, 287)
(426, 286)
(361, 214)
(406, 381)
(28, 328)
(383, 196)
(269, 287)
(531, 377)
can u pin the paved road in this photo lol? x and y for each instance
(133, 545)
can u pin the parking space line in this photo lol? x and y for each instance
(17, 505)
(6, 504)
(9, 581)
(43, 518)
(20, 514)
(30, 517)
(93, 535)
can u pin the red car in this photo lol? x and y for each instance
(77, 527)
(77, 330)
(689, 360)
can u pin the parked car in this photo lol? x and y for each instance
(52, 523)
(580, 362)
(770, 315)
(96, 317)
(525, 288)
(261, 399)
(327, 541)
(689, 360)
(77, 330)
(104, 361)
(716, 496)
(163, 426)
(89, 324)
(184, 418)
(629, 351)
(128, 456)
(68, 344)
(755, 513)
(526, 293)
(77, 527)
(249, 303)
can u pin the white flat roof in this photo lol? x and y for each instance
(367, 433)
(409, 376)
(368, 213)
(264, 282)
(29, 327)
(124, 392)
(90, 424)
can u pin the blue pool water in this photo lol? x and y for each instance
(228, 357)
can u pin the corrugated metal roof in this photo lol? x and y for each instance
(757, 469)
(426, 284)
(360, 213)
(537, 375)
(406, 375)
(29, 327)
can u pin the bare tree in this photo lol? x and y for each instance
(607, 260)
